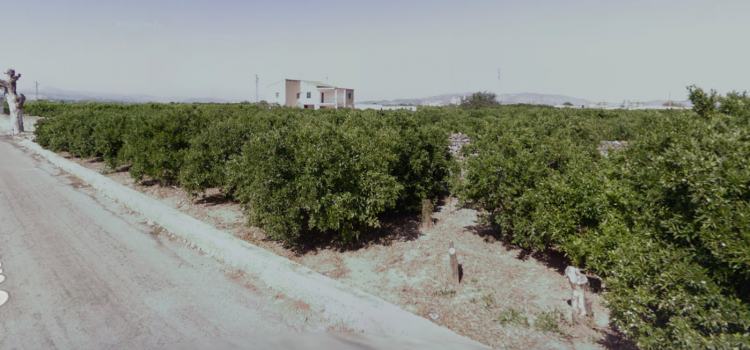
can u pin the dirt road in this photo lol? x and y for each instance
(83, 274)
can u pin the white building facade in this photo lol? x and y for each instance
(310, 94)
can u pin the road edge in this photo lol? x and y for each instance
(361, 311)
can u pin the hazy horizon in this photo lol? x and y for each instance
(645, 50)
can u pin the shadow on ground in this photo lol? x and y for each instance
(616, 341)
(394, 227)
(123, 168)
(149, 182)
(551, 258)
(212, 200)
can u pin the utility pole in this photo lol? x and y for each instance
(37, 90)
(256, 88)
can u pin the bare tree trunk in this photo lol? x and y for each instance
(16, 114)
(455, 275)
(427, 213)
(578, 296)
(15, 101)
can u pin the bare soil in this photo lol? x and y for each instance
(505, 296)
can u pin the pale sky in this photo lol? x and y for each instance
(593, 49)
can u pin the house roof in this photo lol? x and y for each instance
(320, 84)
(317, 83)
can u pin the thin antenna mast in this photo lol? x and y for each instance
(499, 85)
(256, 88)
(37, 90)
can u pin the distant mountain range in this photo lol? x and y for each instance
(62, 95)
(542, 99)
(523, 98)
(439, 100)
(526, 97)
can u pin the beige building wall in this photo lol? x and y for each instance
(292, 89)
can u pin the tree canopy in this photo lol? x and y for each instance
(480, 100)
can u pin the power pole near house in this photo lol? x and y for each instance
(256, 88)
(37, 90)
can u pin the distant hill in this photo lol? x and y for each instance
(685, 103)
(63, 95)
(444, 100)
(541, 99)
(526, 97)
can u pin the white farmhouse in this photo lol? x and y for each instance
(310, 94)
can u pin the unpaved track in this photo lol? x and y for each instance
(83, 275)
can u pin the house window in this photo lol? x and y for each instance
(309, 95)
(277, 94)
(298, 95)
(350, 95)
(322, 97)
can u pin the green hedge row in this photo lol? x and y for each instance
(296, 171)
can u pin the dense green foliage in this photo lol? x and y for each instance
(296, 171)
(709, 103)
(665, 221)
(480, 100)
